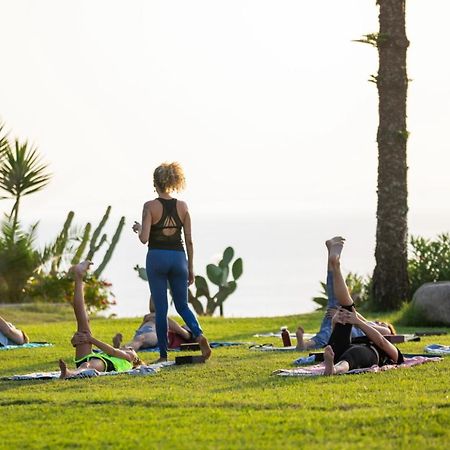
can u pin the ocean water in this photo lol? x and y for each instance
(284, 258)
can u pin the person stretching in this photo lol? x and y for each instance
(321, 339)
(145, 336)
(340, 355)
(109, 359)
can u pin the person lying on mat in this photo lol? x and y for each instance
(10, 335)
(109, 359)
(145, 336)
(321, 339)
(340, 355)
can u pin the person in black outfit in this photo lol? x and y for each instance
(163, 220)
(340, 354)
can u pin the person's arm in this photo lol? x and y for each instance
(143, 230)
(380, 328)
(187, 225)
(110, 350)
(374, 335)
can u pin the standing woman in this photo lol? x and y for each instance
(163, 219)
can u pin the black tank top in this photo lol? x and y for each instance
(166, 233)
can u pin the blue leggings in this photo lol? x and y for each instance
(169, 267)
(323, 336)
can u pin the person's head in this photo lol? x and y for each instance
(387, 325)
(169, 177)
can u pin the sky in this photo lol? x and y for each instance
(266, 104)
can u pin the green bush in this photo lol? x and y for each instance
(18, 260)
(430, 261)
(58, 288)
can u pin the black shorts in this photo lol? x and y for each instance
(109, 365)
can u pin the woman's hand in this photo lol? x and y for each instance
(137, 227)
(349, 317)
(191, 277)
(80, 337)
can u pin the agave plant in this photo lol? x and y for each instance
(21, 173)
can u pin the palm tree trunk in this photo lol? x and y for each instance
(390, 277)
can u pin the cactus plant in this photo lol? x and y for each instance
(218, 275)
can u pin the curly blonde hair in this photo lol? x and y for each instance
(169, 177)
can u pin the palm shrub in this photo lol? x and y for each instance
(21, 173)
(18, 260)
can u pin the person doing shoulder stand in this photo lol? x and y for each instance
(163, 220)
(340, 354)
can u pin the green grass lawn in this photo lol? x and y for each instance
(230, 402)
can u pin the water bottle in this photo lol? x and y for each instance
(286, 337)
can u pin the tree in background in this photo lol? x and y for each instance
(390, 277)
(21, 173)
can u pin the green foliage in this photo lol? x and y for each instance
(374, 39)
(58, 288)
(430, 261)
(3, 141)
(18, 260)
(358, 287)
(219, 276)
(21, 173)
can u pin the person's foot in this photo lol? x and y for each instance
(117, 340)
(65, 372)
(300, 343)
(328, 357)
(204, 346)
(80, 269)
(160, 360)
(334, 246)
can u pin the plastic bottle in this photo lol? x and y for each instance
(286, 337)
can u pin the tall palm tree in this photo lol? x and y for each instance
(21, 173)
(390, 277)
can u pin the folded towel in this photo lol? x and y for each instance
(89, 373)
(271, 348)
(438, 349)
(28, 345)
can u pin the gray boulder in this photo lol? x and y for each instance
(432, 301)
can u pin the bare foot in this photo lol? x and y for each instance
(79, 270)
(117, 340)
(159, 360)
(65, 372)
(300, 343)
(334, 246)
(328, 357)
(204, 346)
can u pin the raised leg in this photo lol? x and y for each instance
(157, 273)
(178, 279)
(335, 246)
(79, 307)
